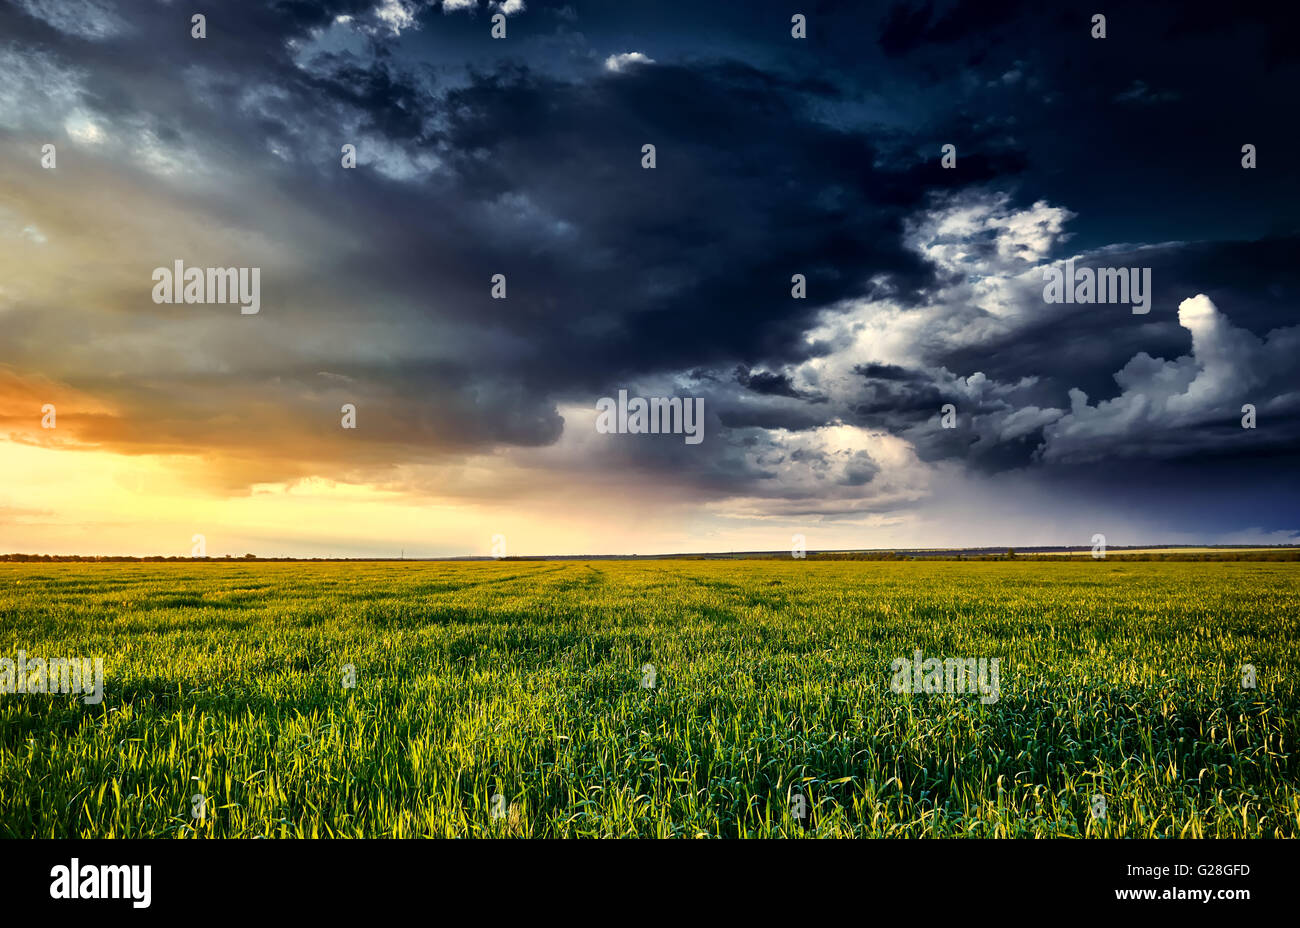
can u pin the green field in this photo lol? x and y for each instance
(771, 691)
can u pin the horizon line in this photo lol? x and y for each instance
(983, 550)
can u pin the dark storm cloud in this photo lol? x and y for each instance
(523, 158)
(1255, 283)
(691, 263)
(889, 390)
(912, 26)
(766, 382)
(1095, 382)
(1159, 172)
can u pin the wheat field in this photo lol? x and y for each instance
(668, 698)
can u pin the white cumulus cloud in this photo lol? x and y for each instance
(1161, 401)
(626, 60)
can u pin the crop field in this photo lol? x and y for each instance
(683, 698)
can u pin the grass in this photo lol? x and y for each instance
(771, 682)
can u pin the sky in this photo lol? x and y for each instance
(914, 387)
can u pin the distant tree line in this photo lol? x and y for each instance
(1286, 554)
(148, 558)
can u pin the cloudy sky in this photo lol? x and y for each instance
(522, 156)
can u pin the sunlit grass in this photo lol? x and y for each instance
(772, 680)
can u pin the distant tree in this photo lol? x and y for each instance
(1011, 552)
